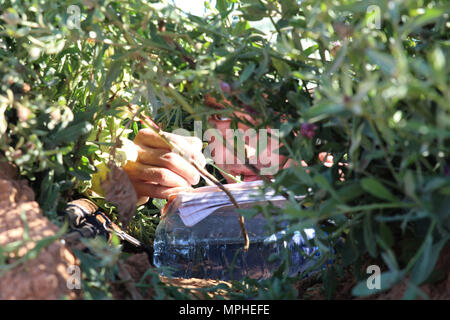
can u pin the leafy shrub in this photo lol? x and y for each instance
(375, 96)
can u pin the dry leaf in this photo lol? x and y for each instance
(119, 191)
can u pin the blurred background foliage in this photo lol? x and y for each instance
(366, 81)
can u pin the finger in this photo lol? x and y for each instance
(329, 162)
(142, 200)
(157, 191)
(322, 156)
(194, 142)
(140, 172)
(170, 160)
(192, 146)
(327, 159)
(199, 159)
(150, 138)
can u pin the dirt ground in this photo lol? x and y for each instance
(436, 291)
(138, 264)
(46, 276)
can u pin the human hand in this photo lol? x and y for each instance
(327, 159)
(158, 172)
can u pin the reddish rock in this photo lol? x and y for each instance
(44, 276)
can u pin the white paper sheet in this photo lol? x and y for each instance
(197, 205)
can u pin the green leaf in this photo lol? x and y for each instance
(387, 280)
(221, 6)
(324, 110)
(427, 260)
(282, 67)
(330, 282)
(289, 8)
(81, 175)
(350, 192)
(386, 62)
(302, 175)
(349, 252)
(430, 15)
(345, 194)
(409, 184)
(390, 260)
(323, 183)
(374, 187)
(386, 235)
(369, 238)
(436, 183)
(240, 28)
(310, 50)
(286, 129)
(72, 133)
(49, 193)
(247, 72)
(135, 128)
(159, 203)
(254, 12)
(413, 293)
(114, 72)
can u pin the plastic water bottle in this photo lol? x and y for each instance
(213, 248)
